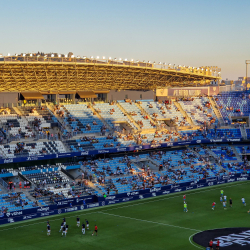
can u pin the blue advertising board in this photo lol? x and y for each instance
(116, 150)
(63, 206)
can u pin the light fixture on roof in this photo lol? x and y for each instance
(84, 57)
(159, 62)
(120, 59)
(125, 59)
(72, 56)
(97, 57)
(59, 55)
(132, 60)
(103, 57)
(65, 55)
(52, 55)
(16, 54)
(198, 68)
(148, 61)
(24, 54)
(30, 54)
(91, 57)
(110, 58)
(169, 64)
(8, 54)
(115, 59)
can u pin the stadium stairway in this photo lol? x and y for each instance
(212, 153)
(184, 113)
(18, 111)
(129, 117)
(243, 133)
(50, 106)
(145, 112)
(216, 111)
(100, 117)
(236, 154)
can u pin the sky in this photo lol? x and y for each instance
(182, 32)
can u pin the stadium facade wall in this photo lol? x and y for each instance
(115, 95)
(75, 204)
(8, 97)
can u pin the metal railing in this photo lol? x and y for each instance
(57, 58)
(4, 184)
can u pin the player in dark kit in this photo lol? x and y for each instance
(230, 202)
(64, 221)
(77, 221)
(87, 224)
(64, 231)
(48, 229)
(83, 228)
(62, 224)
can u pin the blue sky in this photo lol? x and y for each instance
(186, 32)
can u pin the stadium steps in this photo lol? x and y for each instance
(18, 111)
(212, 153)
(153, 165)
(145, 112)
(243, 133)
(236, 154)
(129, 117)
(100, 117)
(216, 111)
(50, 106)
(184, 113)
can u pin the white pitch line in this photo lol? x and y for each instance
(173, 195)
(193, 243)
(148, 221)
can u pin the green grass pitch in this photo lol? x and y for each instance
(153, 224)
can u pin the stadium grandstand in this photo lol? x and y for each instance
(75, 127)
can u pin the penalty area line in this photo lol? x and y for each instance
(148, 221)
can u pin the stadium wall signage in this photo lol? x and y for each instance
(75, 204)
(230, 238)
(116, 150)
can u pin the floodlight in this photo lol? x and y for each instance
(103, 57)
(97, 57)
(110, 58)
(52, 55)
